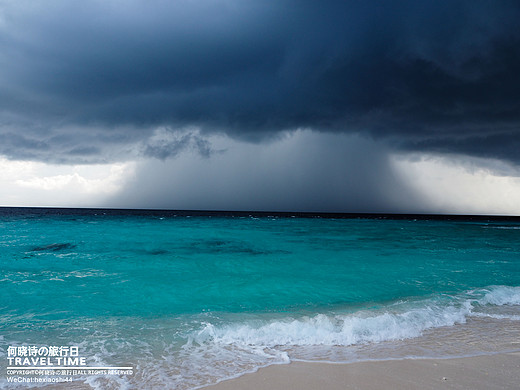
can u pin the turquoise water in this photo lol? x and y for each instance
(190, 300)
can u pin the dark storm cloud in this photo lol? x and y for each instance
(82, 79)
(167, 144)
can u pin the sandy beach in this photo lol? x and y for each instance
(500, 371)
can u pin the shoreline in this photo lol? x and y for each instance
(483, 372)
(481, 354)
(496, 371)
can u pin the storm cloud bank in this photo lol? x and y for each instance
(91, 82)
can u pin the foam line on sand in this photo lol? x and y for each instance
(488, 372)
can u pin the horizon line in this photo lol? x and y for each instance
(262, 213)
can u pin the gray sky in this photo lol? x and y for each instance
(329, 105)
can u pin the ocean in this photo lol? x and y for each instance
(182, 300)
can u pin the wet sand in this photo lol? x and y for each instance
(499, 371)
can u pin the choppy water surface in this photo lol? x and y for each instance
(188, 300)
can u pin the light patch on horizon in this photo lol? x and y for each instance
(461, 185)
(28, 183)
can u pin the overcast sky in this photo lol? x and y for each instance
(382, 106)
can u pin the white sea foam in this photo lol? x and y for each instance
(512, 317)
(220, 350)
(501, 295)
(273, 338)
(337, 329)
(224, 347)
